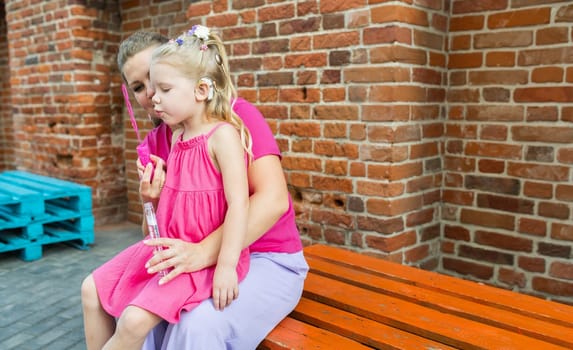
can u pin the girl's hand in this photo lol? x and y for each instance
(225, 286)
(149, 190)
(177, 257)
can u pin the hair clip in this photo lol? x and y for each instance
(200, 32)
(178, 41)
(218, 59)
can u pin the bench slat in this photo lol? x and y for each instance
(296, 335)
(438, 326)
(361, 329)
(375, 303)
(519, 323)
(500, 298)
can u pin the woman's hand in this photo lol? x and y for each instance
(177, 257)
(150, 187)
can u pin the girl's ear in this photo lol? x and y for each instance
(204, 89)
(201, 91)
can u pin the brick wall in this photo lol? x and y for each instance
(435, 133)
(6, 131)
(65, 101)
(507, 166)
(355, 95)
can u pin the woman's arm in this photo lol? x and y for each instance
(267, 203)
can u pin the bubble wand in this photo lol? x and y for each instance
(142, 148)
(153, 228)
(143, 153)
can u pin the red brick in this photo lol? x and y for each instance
(328, 6)
(374, 188)
(561, 270)
(552, 35)
(487, 219)
(419, 218)
(507, 242)
(500, 59)
(385, 54)
(494, 150)
(561, 231)
(265, 14)
(552, 286)
(339, 40)
(465, 60)
(381, 225)
(512, 277)
(498, 77)
(518, 38)
(519, 18)
(392, 207)
(389, 34)
(391, 243)
(463, 267)
(538, 172)
(417, 254)
(491, 166)
(547, 75)
(536, 227)
(564, 14)
(465, 23)
(564, 192)
(554, 210)
(531, 264)
(399, 13)
(538, 189)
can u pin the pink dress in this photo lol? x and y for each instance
(192, 205)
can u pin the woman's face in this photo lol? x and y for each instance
(136, 73)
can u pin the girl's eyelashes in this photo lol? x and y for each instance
(137, 88)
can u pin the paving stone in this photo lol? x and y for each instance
(40, 300)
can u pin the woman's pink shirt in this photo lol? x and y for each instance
(283, 237)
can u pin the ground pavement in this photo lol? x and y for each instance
(40, 306)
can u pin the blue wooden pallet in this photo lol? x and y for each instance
(31, 248)
(64, 193)
(37, 210)
(21, 201)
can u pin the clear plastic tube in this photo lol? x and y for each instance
(152, 227)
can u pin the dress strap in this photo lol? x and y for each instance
(207, 135)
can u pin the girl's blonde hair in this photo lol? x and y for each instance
(197, 54)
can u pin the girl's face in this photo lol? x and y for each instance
(136, 73)
(174, 99)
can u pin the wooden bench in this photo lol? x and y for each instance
(353, 301)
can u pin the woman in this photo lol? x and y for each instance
(275, 280)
